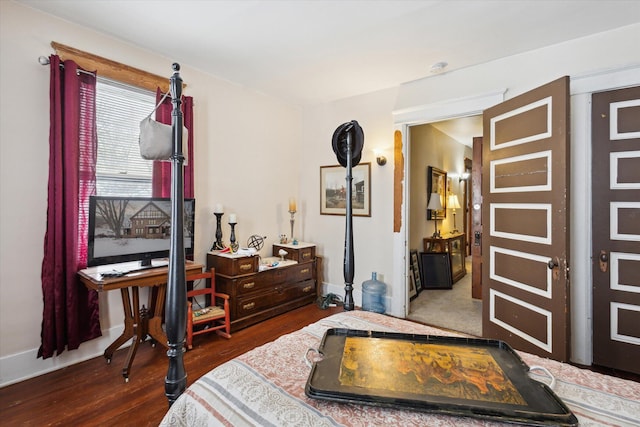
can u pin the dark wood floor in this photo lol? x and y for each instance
(94, 393)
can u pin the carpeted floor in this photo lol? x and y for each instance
(450, 308)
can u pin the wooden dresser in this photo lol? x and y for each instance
(258, 295)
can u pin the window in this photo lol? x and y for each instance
(120, 170)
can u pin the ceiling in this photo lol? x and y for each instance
(313, 51)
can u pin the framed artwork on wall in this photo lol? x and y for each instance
(333, 190)
(437, 183)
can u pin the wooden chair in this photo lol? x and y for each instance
(213, 317)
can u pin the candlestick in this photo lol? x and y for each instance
(292, 205)
(292, 220)
(218, 245)
(232, 238)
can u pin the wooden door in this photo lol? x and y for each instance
(525, 247)
(615, 119)
(476, 216)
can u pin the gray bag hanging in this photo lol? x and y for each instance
(156, 139)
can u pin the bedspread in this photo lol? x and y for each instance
(265, 387)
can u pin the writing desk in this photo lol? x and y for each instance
(138, 323)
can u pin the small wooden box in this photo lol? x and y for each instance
(232, 265)
(302, 252)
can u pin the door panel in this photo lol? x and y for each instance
(616, 228)
(525, 203)
(476, 218)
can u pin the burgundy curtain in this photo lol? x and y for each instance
(161, 178)
(70, 314)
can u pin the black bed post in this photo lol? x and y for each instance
(176, 301)
(348, 235)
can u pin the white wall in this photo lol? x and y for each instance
(372, 235)
(247, 149)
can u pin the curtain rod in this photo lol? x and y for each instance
(43, 60)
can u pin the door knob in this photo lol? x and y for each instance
(603, 261)
(553, 266)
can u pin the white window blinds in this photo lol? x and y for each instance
(120, 171)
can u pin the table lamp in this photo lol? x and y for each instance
(454, 204)
(435, 205)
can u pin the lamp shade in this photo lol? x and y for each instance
(453, 202)
(434, 202)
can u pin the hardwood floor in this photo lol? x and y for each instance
(93, 393)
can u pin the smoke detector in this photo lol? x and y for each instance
(438, 67)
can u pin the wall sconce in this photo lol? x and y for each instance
(464, 176)
(382, 160)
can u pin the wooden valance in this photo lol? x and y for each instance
(111, 69)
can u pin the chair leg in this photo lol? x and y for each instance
(190, 337)
(223, 333)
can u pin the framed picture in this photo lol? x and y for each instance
(412, 285)
(333, 190)
(436, 270)
(437, 183)
(415, 269)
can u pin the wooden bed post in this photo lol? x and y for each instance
(348, 237)
(176, 303)
(347, 142)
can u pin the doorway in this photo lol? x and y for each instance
(447, 146)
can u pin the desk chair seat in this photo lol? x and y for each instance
(213, 318)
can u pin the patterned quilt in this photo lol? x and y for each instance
(265, 387)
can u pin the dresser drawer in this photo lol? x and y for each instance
(300, 272)
(276, 295)
(300, 253)
(232, 265)
(308, 287)
(255, 303)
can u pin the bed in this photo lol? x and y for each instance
(266, 387)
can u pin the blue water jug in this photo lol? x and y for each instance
(373, 292)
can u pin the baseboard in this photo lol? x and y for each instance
(22, 366)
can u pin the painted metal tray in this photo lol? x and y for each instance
(469, 377)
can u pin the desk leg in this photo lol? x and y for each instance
(139, 334)
(154, 325)
(128, 326)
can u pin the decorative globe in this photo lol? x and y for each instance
(256, 242)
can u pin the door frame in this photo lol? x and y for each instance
(581, 88)
(403, 120)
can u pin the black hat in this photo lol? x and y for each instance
(339, 142)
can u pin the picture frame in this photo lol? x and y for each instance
(437, 183)
(413, 293)
(415, 270)
(333, 192)
(436, 270)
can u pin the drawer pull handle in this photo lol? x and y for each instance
(307, 289)
(306, 270)
(249, 285)
(306, 254)
(245, 267)
(249, 306)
